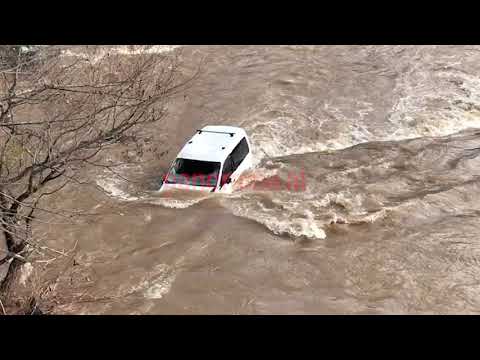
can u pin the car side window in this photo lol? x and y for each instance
(239, 153)
(227, 169)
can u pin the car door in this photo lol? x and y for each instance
(227, 171)
(239, 155)
(234, 165)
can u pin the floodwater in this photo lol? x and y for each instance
(387, 139)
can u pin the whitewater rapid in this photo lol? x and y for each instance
(388, 141)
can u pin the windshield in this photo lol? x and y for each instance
(194, 172)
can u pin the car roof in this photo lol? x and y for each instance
(212, 143)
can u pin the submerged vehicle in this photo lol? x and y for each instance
(212, 160)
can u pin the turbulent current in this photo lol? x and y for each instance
(364, 198)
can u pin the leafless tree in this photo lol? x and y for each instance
(60, 112)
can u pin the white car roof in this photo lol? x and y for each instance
(212, 143)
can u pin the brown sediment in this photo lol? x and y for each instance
(400, 217)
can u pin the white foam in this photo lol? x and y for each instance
(296, 227)
(162, 283)
(111, 186)
(431, 99)
(351, 202)
(176, 203)
(279, 221)
(295, 213)
(412, 116)
(371, 218)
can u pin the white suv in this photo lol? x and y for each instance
(212, 160)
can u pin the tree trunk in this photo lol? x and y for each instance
(3, 253)
(9, 280)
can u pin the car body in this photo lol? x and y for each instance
(212, 160)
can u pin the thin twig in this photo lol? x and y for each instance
(11, 255)
(3, 309)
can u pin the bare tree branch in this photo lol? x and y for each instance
(60, 114)
(3, 309)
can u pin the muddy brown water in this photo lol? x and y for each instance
(387, 138)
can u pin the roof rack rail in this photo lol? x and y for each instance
(216, 132)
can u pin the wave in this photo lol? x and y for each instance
(112, 187)
(295, 115)
(176, 203)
